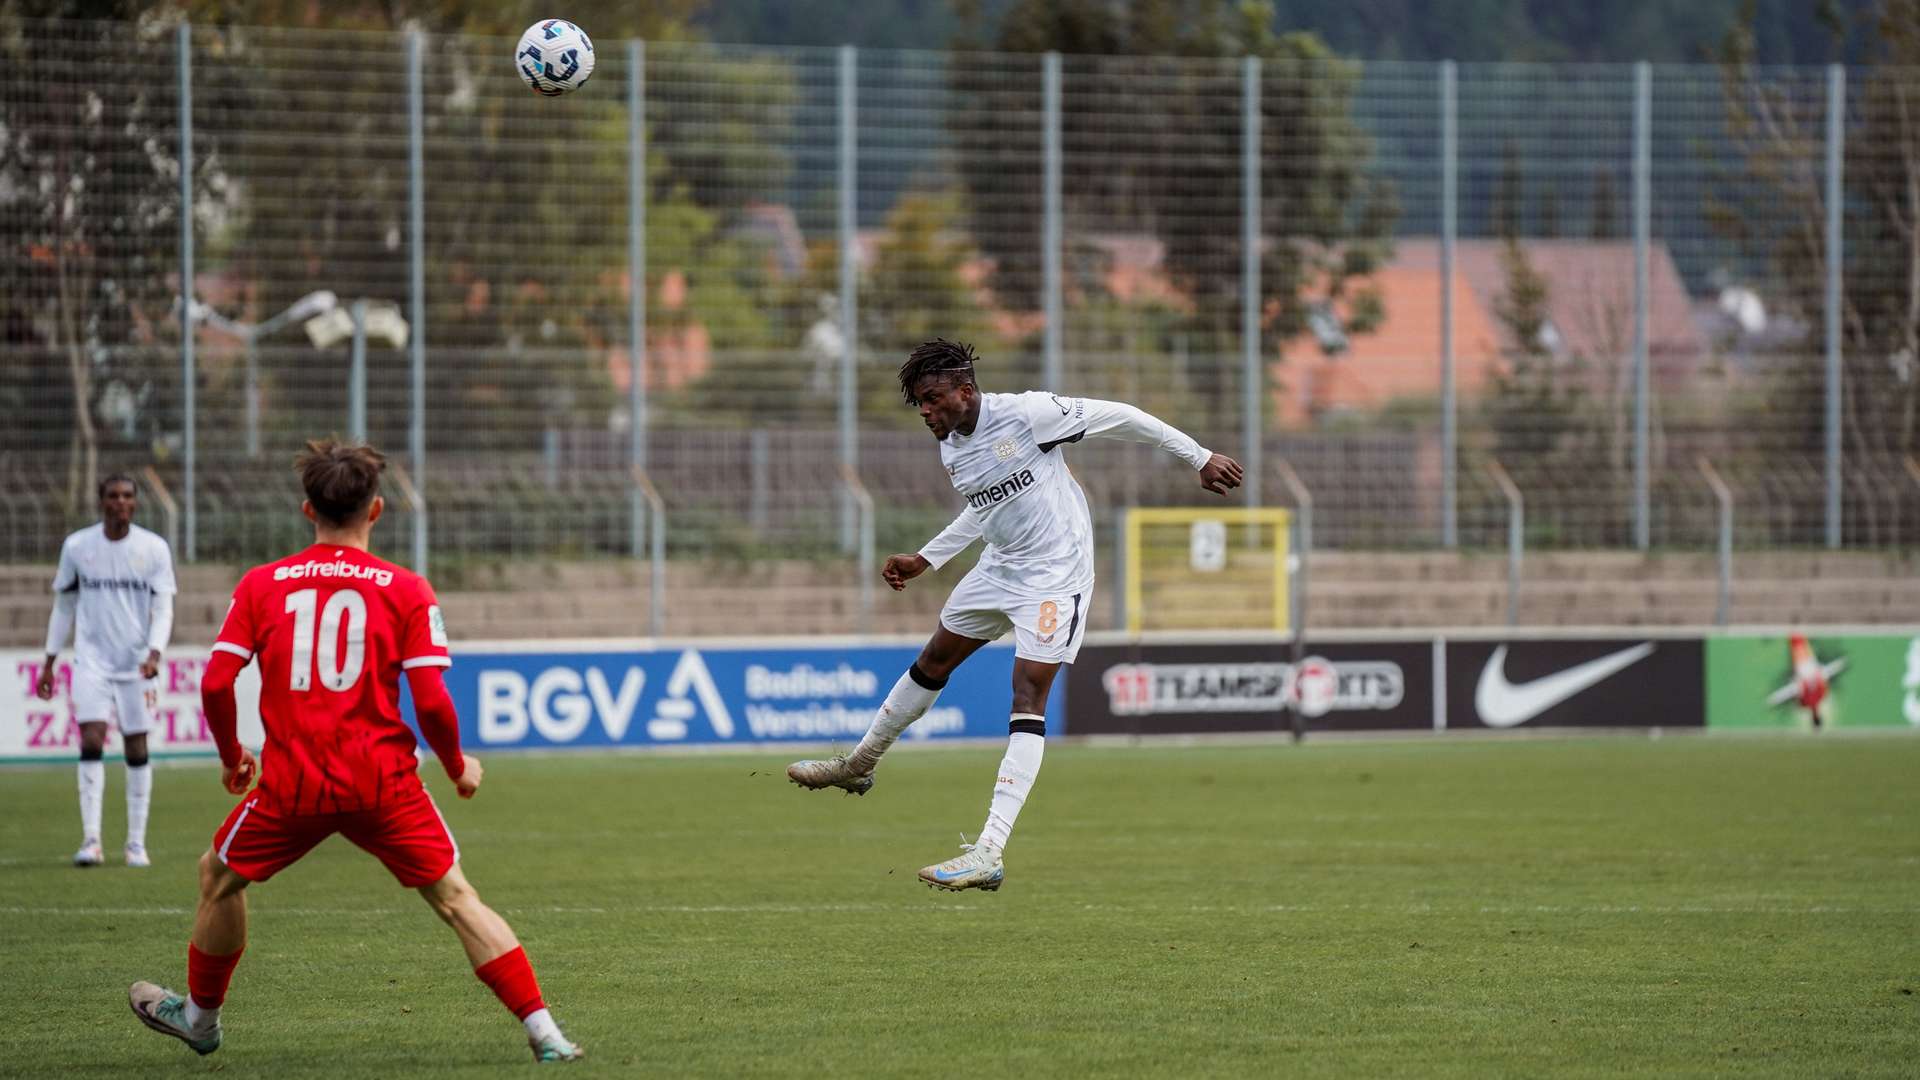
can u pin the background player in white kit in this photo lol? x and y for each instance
(1003, 454)
(114, 592)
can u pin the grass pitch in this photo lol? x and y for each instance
(1684, 907)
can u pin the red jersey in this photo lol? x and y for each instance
(333, 628)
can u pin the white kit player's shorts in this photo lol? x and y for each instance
(96, 697)
(1045, 630)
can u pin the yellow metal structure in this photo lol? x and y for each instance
(1248, 592)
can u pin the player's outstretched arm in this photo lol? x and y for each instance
(1059, 420)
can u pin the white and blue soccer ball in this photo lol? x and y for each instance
(553, 57)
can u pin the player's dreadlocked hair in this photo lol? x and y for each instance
(953, 359)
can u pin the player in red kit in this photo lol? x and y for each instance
(333, 629)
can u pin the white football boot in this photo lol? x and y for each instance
(829, 772)
(555, 1048)
(977, 867)
(166, 1012)
(137, 856)
(89, 853)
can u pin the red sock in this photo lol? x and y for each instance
(208, 975)
(511, 979)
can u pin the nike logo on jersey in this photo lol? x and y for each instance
(1504, 704)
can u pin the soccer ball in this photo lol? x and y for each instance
(553, 57)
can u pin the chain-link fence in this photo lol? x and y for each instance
(1399, 278)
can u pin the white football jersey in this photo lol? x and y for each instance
(115, 582)
(1022, 498)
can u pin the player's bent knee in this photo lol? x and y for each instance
(217, 880)
(451, 897)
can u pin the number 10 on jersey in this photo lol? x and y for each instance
(338, 670)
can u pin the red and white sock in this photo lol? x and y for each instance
(207, 977)
(510, 977)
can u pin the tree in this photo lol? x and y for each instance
(1780, 139)
(89, 182)
(526, 198)
(1325, 223)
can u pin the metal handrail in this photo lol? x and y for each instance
(1724, 605)
(167, 506)
(864, 500)
(417, 504)
(1516, 534)
(1303, 551)
(656, 551)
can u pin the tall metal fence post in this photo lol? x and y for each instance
(849, 286)
(1642, 240)
(1723, 495)
(357, 375)
(253, 394)
(1053, 232)
(1449, 228)
(1516, 534)
(189, 375)
(417, 232)
(1836, 255)
(637, 292)
(1252, 380)
(1302, 556)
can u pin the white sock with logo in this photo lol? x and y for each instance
(908, 701)
(1026, 745)
(93, 789)
(541, 1025)
(201, 1021)
(139, 797)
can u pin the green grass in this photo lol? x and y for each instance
(1592, 907)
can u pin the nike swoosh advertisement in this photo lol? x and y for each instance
(1618, 682)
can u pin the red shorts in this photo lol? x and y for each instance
(410, 838)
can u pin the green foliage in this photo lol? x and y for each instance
(89, 234)
(527, 245)
(1880, 322)
(1534, 397)
(1325, 221)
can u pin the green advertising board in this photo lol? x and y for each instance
(1870, 681)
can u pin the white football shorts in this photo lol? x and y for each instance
(96, 697)
(1048, 631)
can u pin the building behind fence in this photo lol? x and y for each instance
(1396, 277)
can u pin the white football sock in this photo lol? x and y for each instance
(1017, 772)
(202, 1021)
(139, 797)
(93, 789)
(908, 701)
(540, 1025)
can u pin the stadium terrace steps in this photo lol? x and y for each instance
(1347, 591)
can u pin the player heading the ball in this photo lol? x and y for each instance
(1005, 454)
